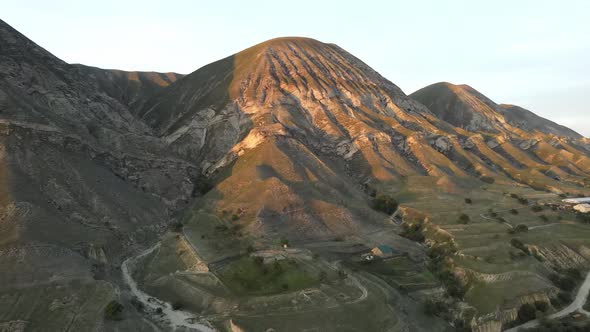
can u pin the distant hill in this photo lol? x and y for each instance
(465, 107)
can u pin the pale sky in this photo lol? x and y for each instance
(535, 54)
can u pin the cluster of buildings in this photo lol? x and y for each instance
(581, 205)
(382, 251)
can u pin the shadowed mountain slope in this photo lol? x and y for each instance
(131, 88)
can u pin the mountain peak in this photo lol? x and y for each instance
(467, 108)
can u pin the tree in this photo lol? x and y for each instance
(385, 204)
(541, 306)
(114, 311)
(520, 228)
(433, 308)
(514, 211)
(516, 243)
(464, 219)
(468, 201)
(537, 208)
(487, 179)
(526, 312)
(250, 249)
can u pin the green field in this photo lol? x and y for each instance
(249, 276)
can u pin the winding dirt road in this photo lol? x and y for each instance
(175, 318)
(576, 305)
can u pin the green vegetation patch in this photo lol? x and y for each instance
(251, 276)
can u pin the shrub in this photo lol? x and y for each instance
(516, 243)
(385, 204)
(526, 312)
(521, 228)
(487, 179)
(565, 283)
(177, 305)
(413, 232)
(537, 208)
(234, 217)
(468, 201)
(523, 201)
(433, 308)
(514, 211)
(464, 219)
(541, 306)
(114, 311)
(177, 226)
(515, 196)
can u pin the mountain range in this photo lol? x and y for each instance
(287, 139)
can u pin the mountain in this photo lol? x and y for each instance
(129, 88)
(287, 142)
(465, 107)
(82, 182)
(529, 121)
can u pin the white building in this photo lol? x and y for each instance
(577, 200)
(584, 208)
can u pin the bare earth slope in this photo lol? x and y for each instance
(81, 181)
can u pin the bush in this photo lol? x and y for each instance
(526, 312)
(541, 306)
(464, 219)
(515, 196)
(468, 201)
(385, 204)
(433, 308)
(114, 311)
(565, 283)
(234, 217)
(413, 232)
(177, 305)
(514, 211)
(537, 208)
(177, 226)
(487, 179)
(520, 228)
(523, 201)
(516, 243)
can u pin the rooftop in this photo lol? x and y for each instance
(577, 200)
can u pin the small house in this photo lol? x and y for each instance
(584, 208)
(383, 251)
